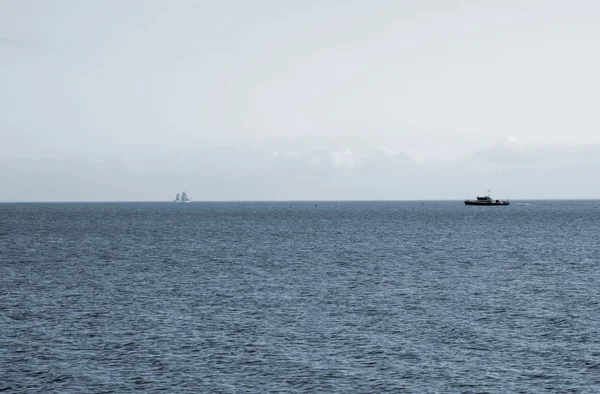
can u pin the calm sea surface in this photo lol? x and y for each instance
(293, 297)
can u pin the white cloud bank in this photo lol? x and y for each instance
(512, 170)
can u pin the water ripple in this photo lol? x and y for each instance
(284, 297)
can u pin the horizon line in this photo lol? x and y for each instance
(287, 201)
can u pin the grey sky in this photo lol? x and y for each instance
(136, 99)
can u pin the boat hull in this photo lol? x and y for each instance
(487, 204)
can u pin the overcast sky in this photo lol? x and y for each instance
(267, 100)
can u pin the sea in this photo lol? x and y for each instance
(300, 297)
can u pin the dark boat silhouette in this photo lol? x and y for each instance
(486, 201)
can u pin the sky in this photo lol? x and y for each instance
(290, 100)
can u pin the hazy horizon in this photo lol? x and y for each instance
(290, 101)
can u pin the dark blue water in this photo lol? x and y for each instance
(293, 297)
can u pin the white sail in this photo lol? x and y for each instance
(177, 198)
(184, 197)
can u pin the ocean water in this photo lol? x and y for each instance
(300, 297)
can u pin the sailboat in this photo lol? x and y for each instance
(184, 197)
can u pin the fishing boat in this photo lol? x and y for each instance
(486, 201)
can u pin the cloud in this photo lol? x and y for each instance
(343, 158)
(507, 150)
(315, 161)
(388, 151)
(502, 154)
(20, 43)
(339, 158)
(345, 172)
